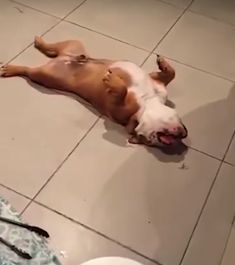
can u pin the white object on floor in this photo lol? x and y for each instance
(63, 254)
(111, 261)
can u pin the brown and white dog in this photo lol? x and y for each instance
(121, 90)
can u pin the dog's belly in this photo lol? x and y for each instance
(84, 79)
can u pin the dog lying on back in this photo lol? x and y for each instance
(121, 90)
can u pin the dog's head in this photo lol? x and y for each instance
(159, 125)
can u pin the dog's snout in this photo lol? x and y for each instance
(183, 132)
(179, 131)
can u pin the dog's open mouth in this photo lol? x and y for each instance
(165, 138)
(168, 138)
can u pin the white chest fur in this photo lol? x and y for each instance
(142, 86)
(153, 116)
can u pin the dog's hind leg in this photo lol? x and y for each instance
(41, 74)
(14, 70)
(45, 75)
(70, 47)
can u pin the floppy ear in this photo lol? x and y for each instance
(136, 139)
(132, 124)
(133, 139)
(115, 86)
(130, 127)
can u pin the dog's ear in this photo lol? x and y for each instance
(137, 139)
(133, 139)
(132, 124)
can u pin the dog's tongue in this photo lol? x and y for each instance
(167, 139)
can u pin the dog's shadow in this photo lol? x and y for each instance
(71, 95)
(117, 134)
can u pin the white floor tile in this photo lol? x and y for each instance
(217, 9)
(229, 254)
(18, 202)
(208, 243)
(231, 153)
(141, 23)
(77, 243)
(18, 26)
(179, 3)
(202, 42)
(136, 196)
(54, 7)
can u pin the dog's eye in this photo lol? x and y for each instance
(153, 136)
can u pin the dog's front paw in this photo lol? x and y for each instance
(112, 79)
(161, 62)
(38, 42)
(108, 77)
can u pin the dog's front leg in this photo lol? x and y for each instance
(166, 73)
(115, 86)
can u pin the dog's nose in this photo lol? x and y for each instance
(179, 131)
(182, 131)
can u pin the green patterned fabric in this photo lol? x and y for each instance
(23, 239)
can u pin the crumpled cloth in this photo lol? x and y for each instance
(23, 239)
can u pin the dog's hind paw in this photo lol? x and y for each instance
(8, 70)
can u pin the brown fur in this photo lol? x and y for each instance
(90, 79)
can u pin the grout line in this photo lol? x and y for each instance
(124, 42)
(228, 163)
(15, 191)
(28, 46)
(48, 30)
(87, 227)
(227, 241)
(190, 147)
(229, 144)
(161, 1)
(196, 68)
(35, 9)
(201, 212)
(13, 58)
(207, 198)
(212, 156)
(92, 30)
(26, 206)
(97, 232)
(171, 4)
(62, 163)
(168, 31)
(18, 54)
(106, 35)
(190, 66)
(46, 13)
(204, 153)
(212, 18)
(75, 8)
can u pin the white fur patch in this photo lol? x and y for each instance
(143, 86)
(153, 115)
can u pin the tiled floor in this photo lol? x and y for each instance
(70, 171)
